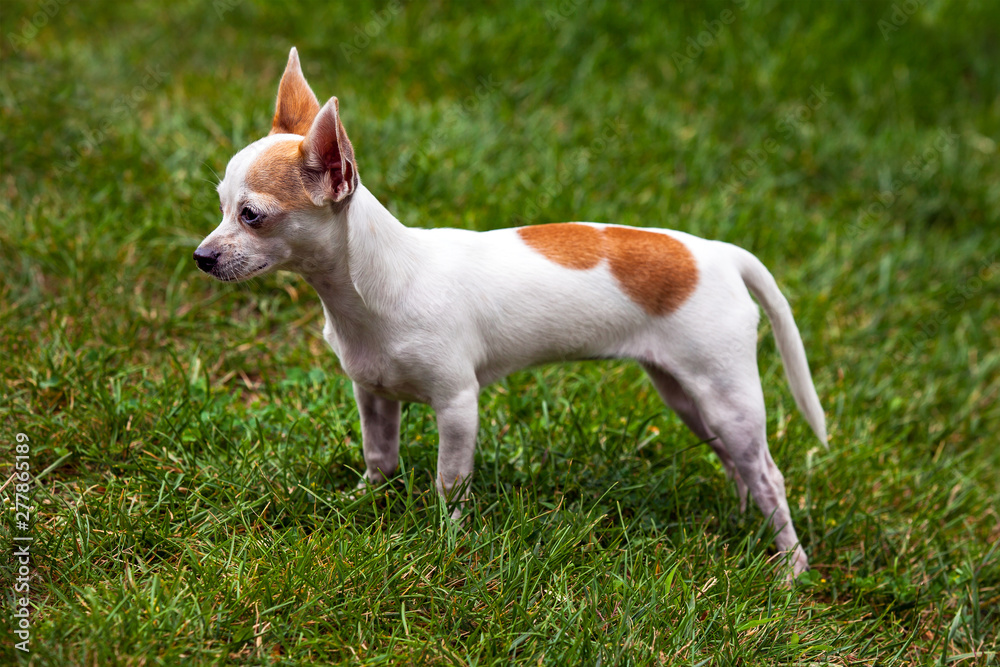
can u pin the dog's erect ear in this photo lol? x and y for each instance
(297, 105)
(329, 157)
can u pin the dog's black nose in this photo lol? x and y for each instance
(206, 259)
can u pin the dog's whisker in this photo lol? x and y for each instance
(218, 179)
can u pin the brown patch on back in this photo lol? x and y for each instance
(655, 270)
(567, 244)
(278, 172)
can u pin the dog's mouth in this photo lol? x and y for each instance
(232, 271)
(228, 275)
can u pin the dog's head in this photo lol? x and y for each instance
(278, 191)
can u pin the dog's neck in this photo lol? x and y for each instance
(367, 264)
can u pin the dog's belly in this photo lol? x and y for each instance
(579, 338)
(567, 327)
(490, 373)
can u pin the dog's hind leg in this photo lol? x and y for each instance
(733, 409)
(678, 400)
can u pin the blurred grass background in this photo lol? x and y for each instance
(196, 438)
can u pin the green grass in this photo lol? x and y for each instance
(195, 446)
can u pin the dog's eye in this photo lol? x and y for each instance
(251, 217)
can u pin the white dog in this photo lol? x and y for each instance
(435, 315)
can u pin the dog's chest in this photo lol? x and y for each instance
(378, 369)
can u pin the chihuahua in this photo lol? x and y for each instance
(435, 315)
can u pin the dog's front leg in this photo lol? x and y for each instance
(379, 434)
(458, 425)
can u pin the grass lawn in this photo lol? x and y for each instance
(194, 444)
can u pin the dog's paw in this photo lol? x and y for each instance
(796, 565)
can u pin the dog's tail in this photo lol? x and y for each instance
(761, 284)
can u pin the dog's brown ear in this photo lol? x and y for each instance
(297, 105)
(332, 173)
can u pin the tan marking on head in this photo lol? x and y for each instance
(567, 244)
(657, 271)
(277, 172)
